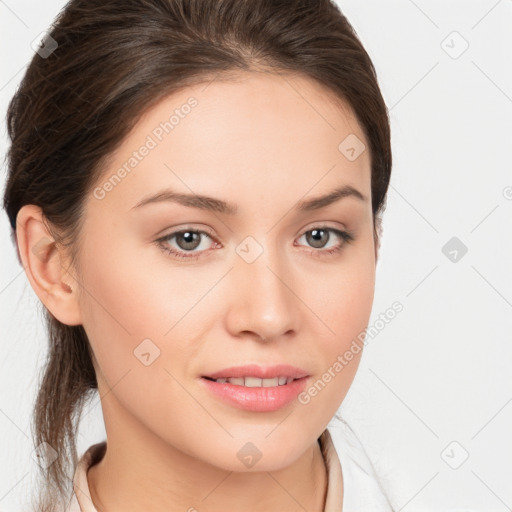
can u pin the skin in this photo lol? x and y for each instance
(262, 142)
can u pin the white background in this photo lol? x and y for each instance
(435, 385)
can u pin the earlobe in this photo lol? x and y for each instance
(45, 267)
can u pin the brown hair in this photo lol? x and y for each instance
(110, 62)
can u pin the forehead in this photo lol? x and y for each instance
(244, 133)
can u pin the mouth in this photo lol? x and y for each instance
(255, 382)
(254, 375)
(257, 388)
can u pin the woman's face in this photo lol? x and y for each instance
(260, 281)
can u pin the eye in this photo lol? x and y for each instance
(318, 236)
(188, 240)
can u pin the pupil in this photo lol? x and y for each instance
(317, 235)
(188, 238)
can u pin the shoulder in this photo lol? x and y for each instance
(81, 500)
(361, 486)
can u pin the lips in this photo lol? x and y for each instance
(253, 382)
(255, 398)
(260, 372)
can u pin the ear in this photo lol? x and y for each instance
(46, 266)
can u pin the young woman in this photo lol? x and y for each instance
(196, 190)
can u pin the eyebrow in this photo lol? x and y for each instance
(217, 205)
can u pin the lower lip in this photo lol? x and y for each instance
(259, 399)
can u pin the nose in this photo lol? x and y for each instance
(262, 301)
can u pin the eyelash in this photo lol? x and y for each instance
(346, 236)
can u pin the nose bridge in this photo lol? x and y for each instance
(263, 303)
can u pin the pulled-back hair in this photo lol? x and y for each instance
(105, 64)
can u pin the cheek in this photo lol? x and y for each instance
(127, 287)
(345, 311)
(133, 323)
(346, 299)
(136, 302)
(121, 305)
(345, 305)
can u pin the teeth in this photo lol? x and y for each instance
(255, 382)
(268, 383)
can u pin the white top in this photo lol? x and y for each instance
(362, 491)
(343, 451)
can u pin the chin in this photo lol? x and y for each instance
(260, 453)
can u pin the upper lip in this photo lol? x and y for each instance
(261, 372)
